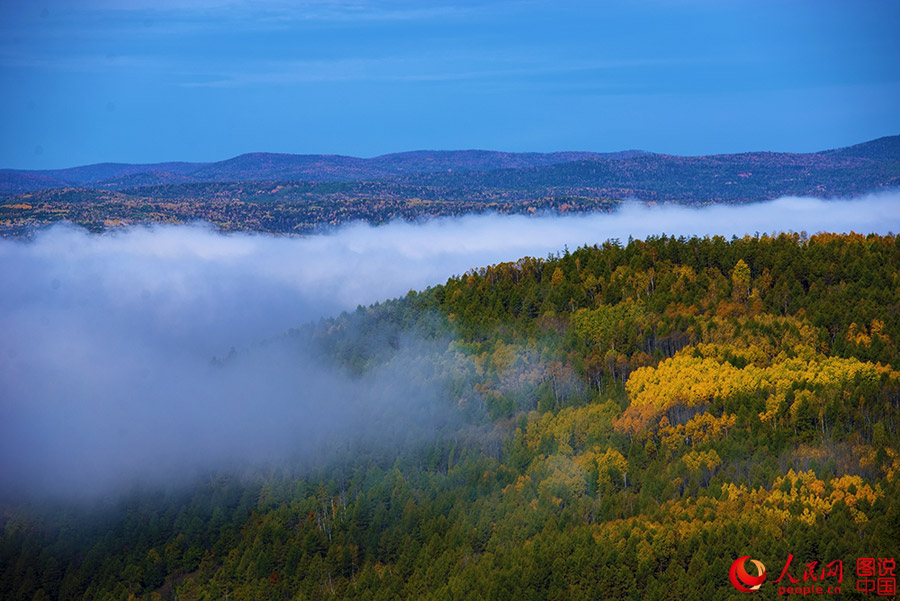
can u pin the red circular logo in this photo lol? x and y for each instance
(742, 580)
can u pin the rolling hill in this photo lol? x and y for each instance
(283, 193)
(263, 166)
(720, 176)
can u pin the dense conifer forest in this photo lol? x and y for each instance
(619, 421)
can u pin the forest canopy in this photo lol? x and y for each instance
(627, 419)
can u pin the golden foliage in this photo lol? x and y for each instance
(702, 428)
(572, 428)
(867, 459)
(863, 336)
(698, 375)
(697, 460)
(609, 460)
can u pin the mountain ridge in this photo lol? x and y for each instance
(268, 166)
(235, 195)
(421, 165)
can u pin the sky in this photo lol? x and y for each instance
(88, 81)
(106, 342)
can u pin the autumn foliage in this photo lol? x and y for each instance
(628, 419)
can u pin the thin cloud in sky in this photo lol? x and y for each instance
(273, 10)
(423, 68)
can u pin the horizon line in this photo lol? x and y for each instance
(424, 150)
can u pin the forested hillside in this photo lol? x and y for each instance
(626, 421)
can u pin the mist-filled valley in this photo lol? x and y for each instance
(116, 347)
(591, 406)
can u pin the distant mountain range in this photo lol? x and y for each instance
(261, 166)
(302, 194)
(732, 177)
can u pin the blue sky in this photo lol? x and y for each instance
(89, 81)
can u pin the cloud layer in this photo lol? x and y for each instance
(106, 339)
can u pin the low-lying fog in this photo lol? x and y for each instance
(106, 340)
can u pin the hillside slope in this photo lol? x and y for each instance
(631, 420)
